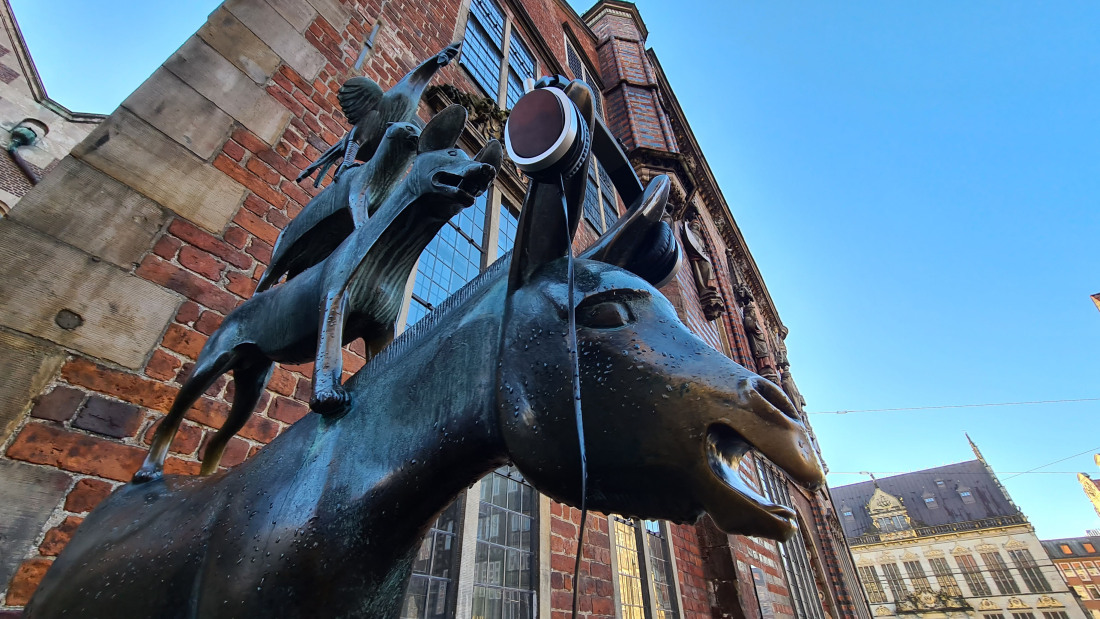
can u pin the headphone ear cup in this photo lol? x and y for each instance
(658, 263)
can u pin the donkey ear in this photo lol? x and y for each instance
(640, 241)
(542, 235)
(443, 130)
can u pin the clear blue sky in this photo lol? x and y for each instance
(919, 183)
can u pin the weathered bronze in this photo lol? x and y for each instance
(326, 520)
(358, 288)
(345, 204)
(369, 111)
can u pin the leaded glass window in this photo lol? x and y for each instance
(893, 578)
(600, 206)
(483, 53)
(521, 66)
(506, 236)
(996, 566)
(660, 570)
(973, 575)
(868, 575)
(581, 72)
(505, 573)
(481, 49)
(944, 577)
(452, 258)
(629, 577)
(917, 577)
(431, 587)
(1033, 576)
(796, 562)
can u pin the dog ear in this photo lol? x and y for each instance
(443, 130)
(492, 154)
(640, 241)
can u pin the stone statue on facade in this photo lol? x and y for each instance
(325, 521)
(784, 365)
(702, 269)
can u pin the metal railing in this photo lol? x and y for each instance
(969, 525)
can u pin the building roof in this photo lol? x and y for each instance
(942, 484)
(1056, 548)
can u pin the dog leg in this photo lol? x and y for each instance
(329, 397)
(207, 369)
(249, 383)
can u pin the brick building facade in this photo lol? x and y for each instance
(36, 131)
(1078, 562)
(103, 311)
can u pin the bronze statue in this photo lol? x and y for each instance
(325, 521)
(702, 270)
(361, 284)
(344, 205)
(369, 111)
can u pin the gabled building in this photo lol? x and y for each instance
(36, 131)
(1078, 560)
(949, 542)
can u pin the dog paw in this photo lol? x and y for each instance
(330, 402)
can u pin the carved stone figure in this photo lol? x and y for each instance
(784, 365)
(361, 285)
(702, 270)
(758, 342)
(325, 520)
(369, 111)
(341, 207)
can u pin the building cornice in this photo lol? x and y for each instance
(30, 72)
(708, 185)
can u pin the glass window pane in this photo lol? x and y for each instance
(481, 50)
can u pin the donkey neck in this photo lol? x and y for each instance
(425, 417)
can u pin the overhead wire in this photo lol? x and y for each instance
(924, 408)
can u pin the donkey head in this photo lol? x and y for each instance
(666, 417)
(443, 177)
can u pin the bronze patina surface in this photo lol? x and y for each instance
(358, 291)
(370, 111)
(326, 520)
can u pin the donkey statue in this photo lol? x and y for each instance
(355, 292)
(325, 521)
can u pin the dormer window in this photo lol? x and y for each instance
(964, 494)
(848, 513)
(940, 484)
(930, 502)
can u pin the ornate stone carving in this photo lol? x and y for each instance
(485, 115)
(987, 605)
(1046, 601)
(702, 269)
(1015, 602)
(883, 611)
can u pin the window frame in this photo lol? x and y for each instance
(640, 535)
(508, 32)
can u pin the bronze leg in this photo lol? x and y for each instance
(249, 383)
(329, 397)
(204, 374)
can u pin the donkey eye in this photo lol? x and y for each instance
(605, 315)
